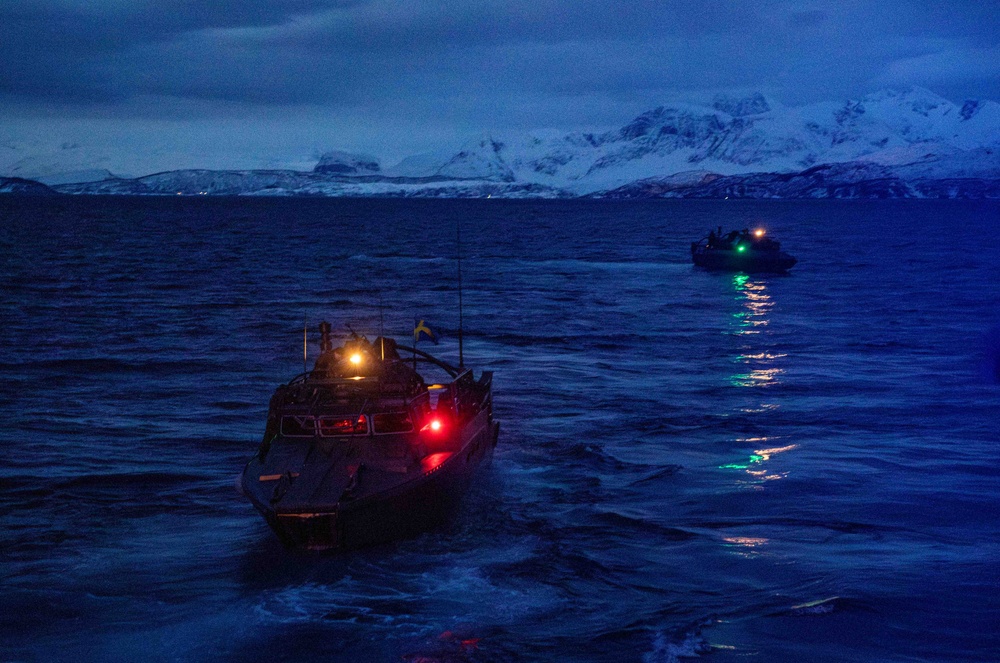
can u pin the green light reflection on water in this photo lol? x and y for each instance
(756, 364)
(754, 460)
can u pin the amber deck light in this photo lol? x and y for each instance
(356, 360)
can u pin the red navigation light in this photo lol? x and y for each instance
(434, 426)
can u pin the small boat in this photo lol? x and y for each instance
(361, 450)
(740, 251)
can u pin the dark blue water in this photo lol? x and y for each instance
(799, 468)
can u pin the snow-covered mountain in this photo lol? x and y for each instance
(754, 134)
(345, 163)
(20, 186)
(899, 141)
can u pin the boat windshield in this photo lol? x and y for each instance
(392, 422)
(294, 425)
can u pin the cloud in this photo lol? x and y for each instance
(86, 51)
(374, 66)
(944, 67)
(315, 50)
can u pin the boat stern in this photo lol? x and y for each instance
(309, 531)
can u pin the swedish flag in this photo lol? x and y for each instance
(421, 328)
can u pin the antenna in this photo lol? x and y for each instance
(458, 234)
(305, 344)
(416, 337)
(381, 325)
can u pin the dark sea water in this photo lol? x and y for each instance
(723, 467)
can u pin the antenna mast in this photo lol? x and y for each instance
(381, 326)
(458, 234)
(305, 345)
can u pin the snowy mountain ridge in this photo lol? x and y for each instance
(907, 135)
(753, 134)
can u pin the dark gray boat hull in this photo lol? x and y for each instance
(405, 510)
(750, 261)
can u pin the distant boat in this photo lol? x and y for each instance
(360, 450)
(740, 251)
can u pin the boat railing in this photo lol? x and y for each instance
(301, 377)
(485, 388)
(473, 395)
(423, 356)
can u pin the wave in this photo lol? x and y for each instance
(679, 645)
(624, 525)
(398, 256)
(844, 527)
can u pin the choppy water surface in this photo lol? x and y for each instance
(690, 464)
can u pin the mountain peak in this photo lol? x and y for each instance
(480, 158)
(676, 119)
(345, 163)
(915, 98)
(752, 104)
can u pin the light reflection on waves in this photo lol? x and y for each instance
(757, 304)
(764, 372)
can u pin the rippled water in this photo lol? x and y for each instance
(797, 468)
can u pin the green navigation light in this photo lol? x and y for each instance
(741, 248)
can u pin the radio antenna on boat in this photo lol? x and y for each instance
(381, 326)
(305, 344)
(458, 235)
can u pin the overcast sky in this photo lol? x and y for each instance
(291, 78)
